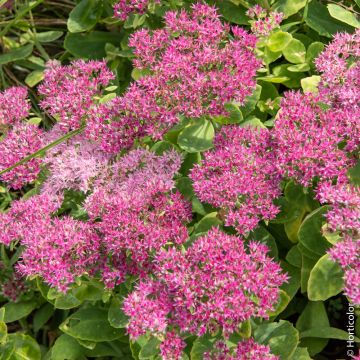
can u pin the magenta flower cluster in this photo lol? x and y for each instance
(124, 8)
(263, 22)
(240, 177)
(245, 350)
(217, 283)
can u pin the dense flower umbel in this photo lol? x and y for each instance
(307, 137)
(56, 249)
(264, 22)
(72, 165)
(124, 8)
(192, 66)
(245, 350)
(138, 212)
(20, 141)
(347, 254)
(13, 106)
(68, 91)
(344, 215)
(340, 85)
(240, 176)
(215, 283)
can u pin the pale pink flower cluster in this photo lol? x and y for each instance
(124, 8)
(216, 283)
(245, 350)
(73, 164)
(14, 106)
(139, 214)
(240, 177)
(263, 21)
(68, 91)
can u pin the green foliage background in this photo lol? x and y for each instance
(310, 320)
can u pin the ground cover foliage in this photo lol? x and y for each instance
(179, 179)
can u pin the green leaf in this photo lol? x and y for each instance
(235, 115)
(200, 346)
(281, 305)
(299, 68)
(313, 51)
(25, 347)
(278, 41)
(318, 18)
(17, 311)
(354, 174)
(84, 15)
(42, 316)
(48, 36)
(251, 101)
(326, 279)
(150, 349)
(90, 45)
(116, 316)
(281, 336)
(341, 14)
(260, 234)
(206, 223)
(197, 137)
(301, 354)
(310, 234)
(295, 52)
(310, 84)
(293, 257)
(34, 78)
(67, 348)
(327, 333)
(289, 7)
(314, 315)
(66, 301)
(91, 324)
(231, 12)
(274, 79)
(245, 329)
(16, 54)
(292, 286)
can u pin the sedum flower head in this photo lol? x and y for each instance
(14, 106)
(124, 8)
(215, 283)
(245, 350)
(192, 68)
(240, 177)
(68, 91)
(22, 140)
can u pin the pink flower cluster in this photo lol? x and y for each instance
(245, 350)
(21, 141)
(139, 213)
(240, 177)
(124, 8)
(216, 283)
(347, 254)
(307, 137)
(192, 68)
(340, 85)
(73, 164)
(14, 106)
(263, 22)
(68, 91)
